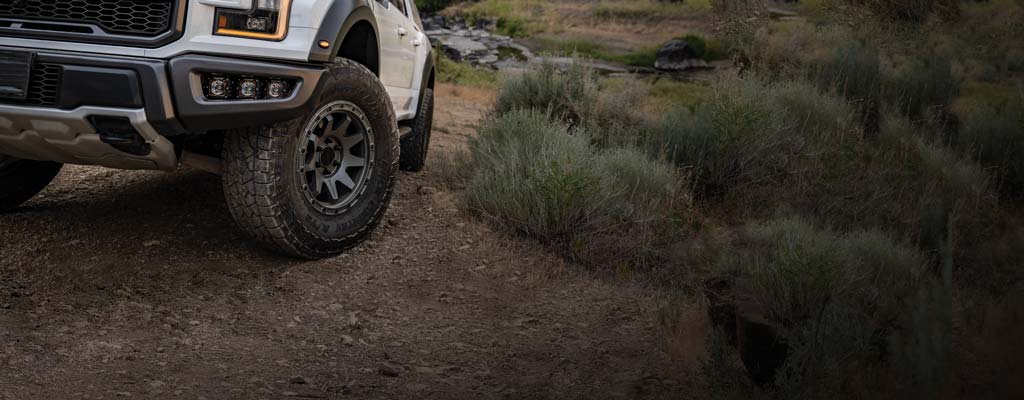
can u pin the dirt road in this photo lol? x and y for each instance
(121, 284)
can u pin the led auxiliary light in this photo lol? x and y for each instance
(267, 20)
(225, 86)
(218, 88)
(276, 89)
(247, 89)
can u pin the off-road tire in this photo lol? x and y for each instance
(265, 193)
(21, 180)
(415, 145)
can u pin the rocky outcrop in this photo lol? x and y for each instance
(473, 44)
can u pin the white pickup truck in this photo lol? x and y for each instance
(307, 108)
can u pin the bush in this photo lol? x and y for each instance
(463, 74)
(533, 175)
(853, 70)
(564, 96)
(434, 5)
(541, 178)
(751, 134)
(996, 139)
(921, 86)
(912, 10)
(833, 298)
(574, 96)
(551, 182)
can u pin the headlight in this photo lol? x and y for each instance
(268, 20)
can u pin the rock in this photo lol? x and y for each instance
(426, 190)
(433, 23)
(298, 380)
(151, 243)
(678, 55)
(347, 340)
(459, 48)
(388, 369)
(488, 24)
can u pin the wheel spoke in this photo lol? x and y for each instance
(343, 178)
(351, 141)
(318, 183)
(332, 188)
(328, 123)
(310, 163)
(340, 130)
(352, 161)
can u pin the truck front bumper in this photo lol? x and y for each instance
(160, 99)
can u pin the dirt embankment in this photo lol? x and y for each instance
(137, 284)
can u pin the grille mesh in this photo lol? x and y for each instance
(44, 85)
(122, 17)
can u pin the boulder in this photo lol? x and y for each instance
(461, 48)
(679, 55)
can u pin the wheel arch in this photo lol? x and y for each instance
(350, 28)
(428, 78)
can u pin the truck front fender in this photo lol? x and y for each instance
(339, 20)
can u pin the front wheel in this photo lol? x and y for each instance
(21, 180)
(318, 185)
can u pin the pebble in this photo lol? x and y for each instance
(388, 370)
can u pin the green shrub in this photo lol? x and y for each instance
(834, 298)
(565, 96)
(512, 18)
(531, 174)
(912, 10)
(434, 5)
(450, 71)
(541, 178)
(853, 70)
(996, 139)
(751, 133)
(644, 57)
(575, 96)
(815, 113)
(922, 85)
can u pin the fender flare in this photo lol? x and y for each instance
(340, 18)
(428, 69)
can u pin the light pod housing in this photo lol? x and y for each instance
(224, 86)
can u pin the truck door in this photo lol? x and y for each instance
(398, 52)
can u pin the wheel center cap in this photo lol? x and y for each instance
(327, 156)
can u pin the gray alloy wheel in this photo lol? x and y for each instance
(336, 159)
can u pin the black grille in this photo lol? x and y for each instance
(44, 85)
(120, 17)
